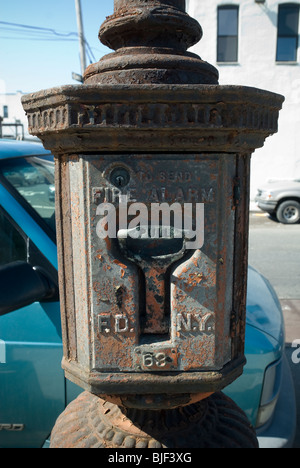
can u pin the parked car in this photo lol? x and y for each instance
(33, 388)
(281, 198)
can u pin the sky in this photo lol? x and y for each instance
(34, 58)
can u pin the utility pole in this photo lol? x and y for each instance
(81, 36)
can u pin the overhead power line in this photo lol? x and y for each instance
(40, 29)
(19, 31)
(38, 39)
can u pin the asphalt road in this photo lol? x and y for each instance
(274, 250)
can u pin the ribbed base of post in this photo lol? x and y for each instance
(90, 422)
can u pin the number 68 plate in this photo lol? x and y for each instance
(149, 359)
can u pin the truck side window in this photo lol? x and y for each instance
(13, 246)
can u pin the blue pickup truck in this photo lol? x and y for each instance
(33, 388)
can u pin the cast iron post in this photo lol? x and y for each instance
(153, 311)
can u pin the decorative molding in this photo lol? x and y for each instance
(100, 424)
(199, 114)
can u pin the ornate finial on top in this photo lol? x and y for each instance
(151, 38)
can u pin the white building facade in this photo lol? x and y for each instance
(12, 115)
(255, 43)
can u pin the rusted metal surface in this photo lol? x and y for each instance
(176, 307)
(100, 424)
(229, 119)
(139, 316)
(136, 317)
(118, 334)
(151, 41)
(149, 322)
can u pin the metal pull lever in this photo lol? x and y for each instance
(154, 254)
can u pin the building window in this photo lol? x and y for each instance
(228, 24)
(287, 39)
(5, 112)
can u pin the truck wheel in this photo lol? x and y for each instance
(288, 212)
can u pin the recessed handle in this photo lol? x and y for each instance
(162, 245)
(154, 249)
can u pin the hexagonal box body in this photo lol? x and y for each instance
(152, 190)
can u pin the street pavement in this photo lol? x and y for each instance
(274, 250)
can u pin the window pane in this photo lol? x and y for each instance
(227, 21)
(227, 34)
(287, 41)
(33, 178)
(286, 49)
(227, 49)
(288, 20)
(12, 245)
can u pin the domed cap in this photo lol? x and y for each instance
(151, 38)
